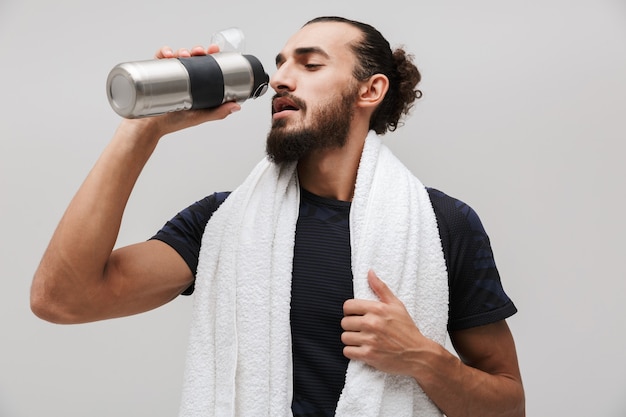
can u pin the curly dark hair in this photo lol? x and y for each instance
(376, 57)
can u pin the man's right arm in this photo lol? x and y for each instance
(80, 277)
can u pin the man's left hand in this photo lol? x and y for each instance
(382, 333)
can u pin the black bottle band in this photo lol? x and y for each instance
(206, 81)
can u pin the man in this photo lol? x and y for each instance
(337, 85)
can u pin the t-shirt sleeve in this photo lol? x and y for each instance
(184, 231)
(477, 296)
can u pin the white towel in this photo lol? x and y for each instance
(393, 230)
(239, 357)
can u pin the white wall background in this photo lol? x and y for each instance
(522, 117)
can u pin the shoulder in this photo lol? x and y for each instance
(209, 203)
(461, 231)
(454, 214)
(463, 236)
(184, 231)
(199, 213)
(476, 293)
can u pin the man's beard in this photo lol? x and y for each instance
(329, 129)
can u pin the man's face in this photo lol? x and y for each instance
(316, 91)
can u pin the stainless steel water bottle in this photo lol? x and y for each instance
(147, 88)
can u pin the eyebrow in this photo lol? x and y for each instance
(305, 50)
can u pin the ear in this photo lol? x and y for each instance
(373, 91)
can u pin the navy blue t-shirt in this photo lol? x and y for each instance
(322, 281)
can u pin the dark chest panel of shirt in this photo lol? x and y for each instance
(322, 281)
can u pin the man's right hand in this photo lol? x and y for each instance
(178, 120)
(80, 277)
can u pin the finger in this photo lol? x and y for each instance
(174, 121)
(229, 108)
(197, 51)
(164, 52)
(183, 53)
(351, 323)
(216, 113)
(353, 339)
(226, 109)
(379, 287)
(358, 307)
(213, 48)
(352, 352)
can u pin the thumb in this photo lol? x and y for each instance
(382, 291)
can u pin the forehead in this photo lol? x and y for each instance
(333, 38)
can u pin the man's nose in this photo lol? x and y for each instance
(282, 79)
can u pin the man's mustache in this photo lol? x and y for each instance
(285, 94)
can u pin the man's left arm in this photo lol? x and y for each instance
(484, 382)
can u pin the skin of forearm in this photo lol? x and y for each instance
(82, 243)
(462, 391)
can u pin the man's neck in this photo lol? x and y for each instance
(331, 173)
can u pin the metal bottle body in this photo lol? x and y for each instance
(148, 88)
